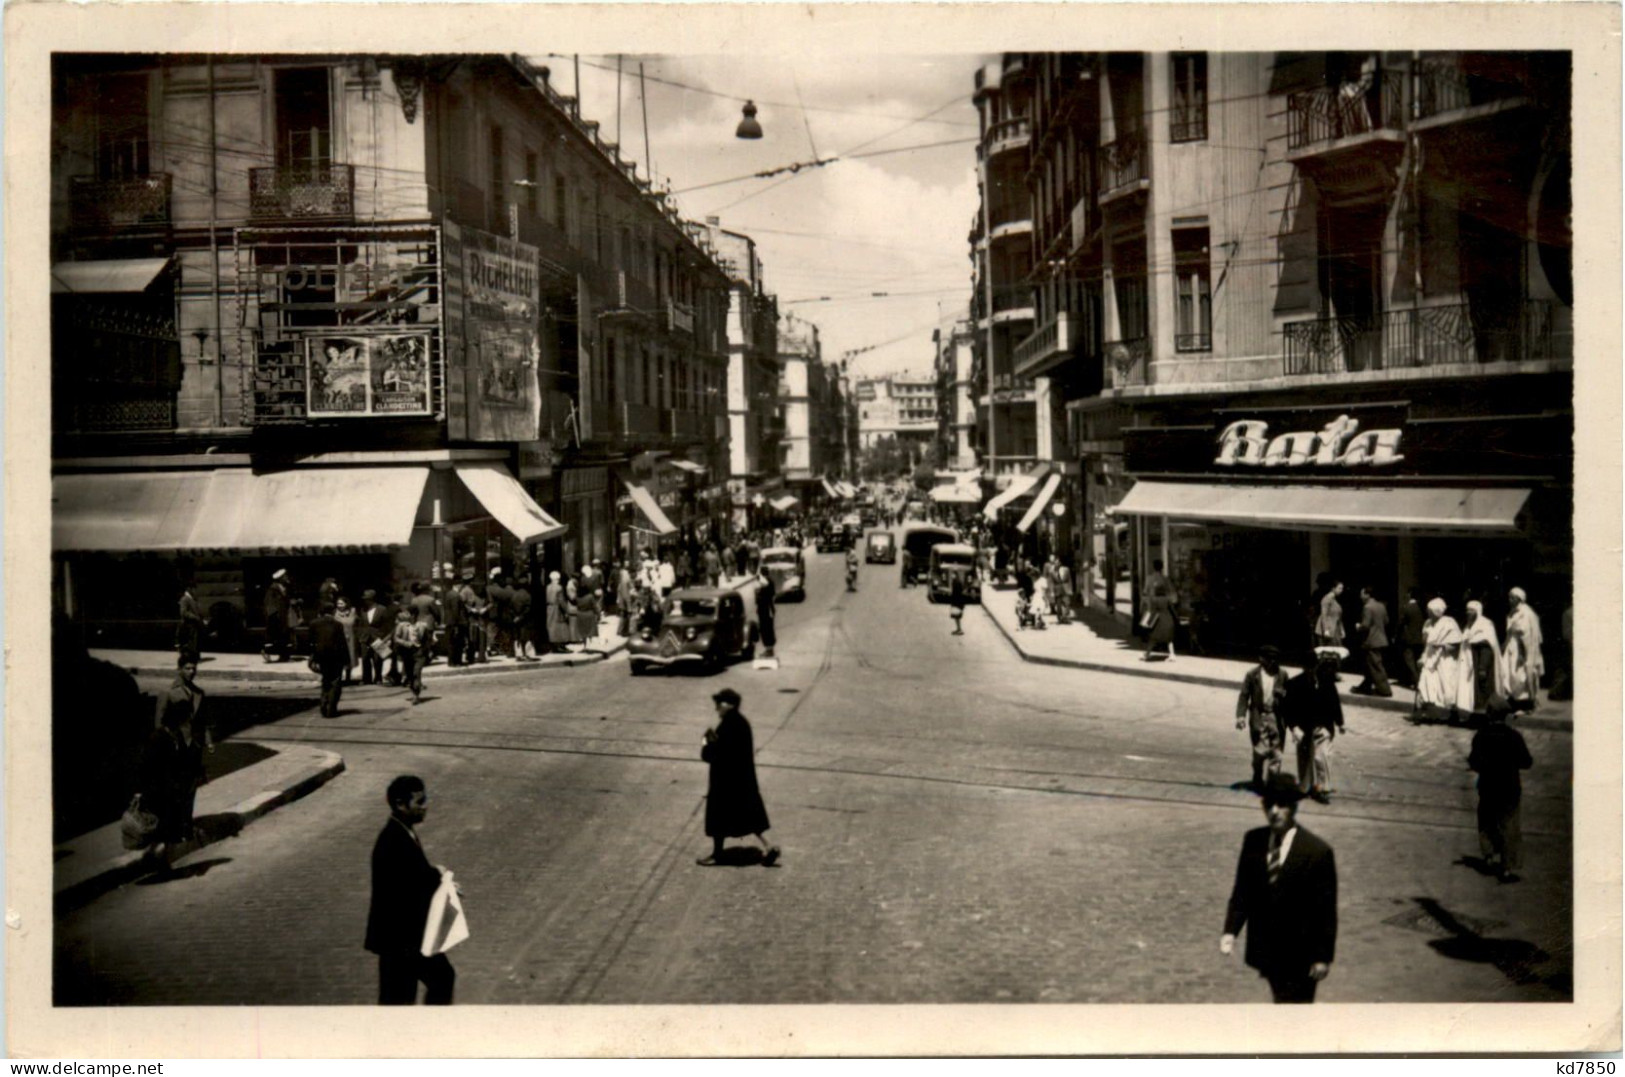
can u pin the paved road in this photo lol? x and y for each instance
(957, 826)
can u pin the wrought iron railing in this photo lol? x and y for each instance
(1193, 342)
(1007, 297)
(1427, 337)
(640, 420)
(1053, 337)
(1003, 134)
(302, 192)
(134, 203)
(128, 408)
(679, 317)
(1328, 113)
(1123, 161)
(1445, 85)
(688, 424)
(1188, 123)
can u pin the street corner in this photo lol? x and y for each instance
(96, 861)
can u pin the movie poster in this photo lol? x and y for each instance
(358, 376)
(501, 292)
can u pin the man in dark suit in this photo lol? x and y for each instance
(1413, 632)
(330, 654)
(372, 622)
(403, 884)
(1373, 631)
(1285, 895)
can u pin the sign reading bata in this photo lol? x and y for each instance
(358, 376)
(1340, 443)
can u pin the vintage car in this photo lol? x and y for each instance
(833, 539)
(881, 546)
(701, 626)
(917, 541)
(788, 571)
(946, 561)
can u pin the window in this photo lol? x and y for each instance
(584, 223)
(609, 368)
(532, 197)
(304, 135)
(561, 203)
(121, 121)
(1187, 121)
(499, 183)
(1193, 299)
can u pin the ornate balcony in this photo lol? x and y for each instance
(1329, 114)
(1124, 165)
(1456, 85)
(640, 421)
(688, 425)
(108, 409)
(1007, 135)
(131, 204)
(1128, 362)
(1049, 346)
(1428, 337)
(304, 192)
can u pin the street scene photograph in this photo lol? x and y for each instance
(564, 529)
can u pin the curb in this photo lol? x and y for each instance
(295, 672)
(131, 865)
(1397, 706)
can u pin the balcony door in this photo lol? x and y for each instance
(1351, 279)
(122, 139)
(304, 118)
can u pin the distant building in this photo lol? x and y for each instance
(755, 424)
(903, 406)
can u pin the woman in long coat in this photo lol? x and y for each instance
(1329, 626)
(344, 613)
(733, 801)
(1524, 663)
(1160, 605)
(1440, 683)
(586, 600)
(171, 771)
(558, 625)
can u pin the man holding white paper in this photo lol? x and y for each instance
(403, 886)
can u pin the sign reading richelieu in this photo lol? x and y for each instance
(502, 302)
(1359, 442)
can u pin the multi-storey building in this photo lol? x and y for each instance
(1002, 257)
(1311, 316)
(809, 403)
(956, 401)
(756, 426)
(377, 318)
(903, 406)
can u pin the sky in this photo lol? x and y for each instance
(894, 222)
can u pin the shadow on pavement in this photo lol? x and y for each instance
(190, 871)
(1516, 959)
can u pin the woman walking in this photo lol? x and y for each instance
(1160, 630)
(1524, 663)
(344, 614)
(558, 625)
(1329, 625)
(586, 615)
(1481, 658)
(733, 802)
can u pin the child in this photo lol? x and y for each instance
(1498, 754)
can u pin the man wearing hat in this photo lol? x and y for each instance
(1314, 712)
(372, 623)
(276, 617)
(733, 801)
(451, 601)
(1258, 710)
(1285, 895)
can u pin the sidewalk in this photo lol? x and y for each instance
(1091, 644)
(97, 861)
(222, 667)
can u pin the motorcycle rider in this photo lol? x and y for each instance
(852, 569)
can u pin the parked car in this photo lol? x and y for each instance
(947, 560)
(917, 541)
(788, 571)
(832, 539)
(704, 626)
(881, 546)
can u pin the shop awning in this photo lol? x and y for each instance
(1040, 503)
(494, 487)
(687, 465)
(848, 491)
(829, 488)
(1412, 510)
(107, 275)
(1019, 486)
(127, 511)
(656, 517)
(310, 510)
(785, 503)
